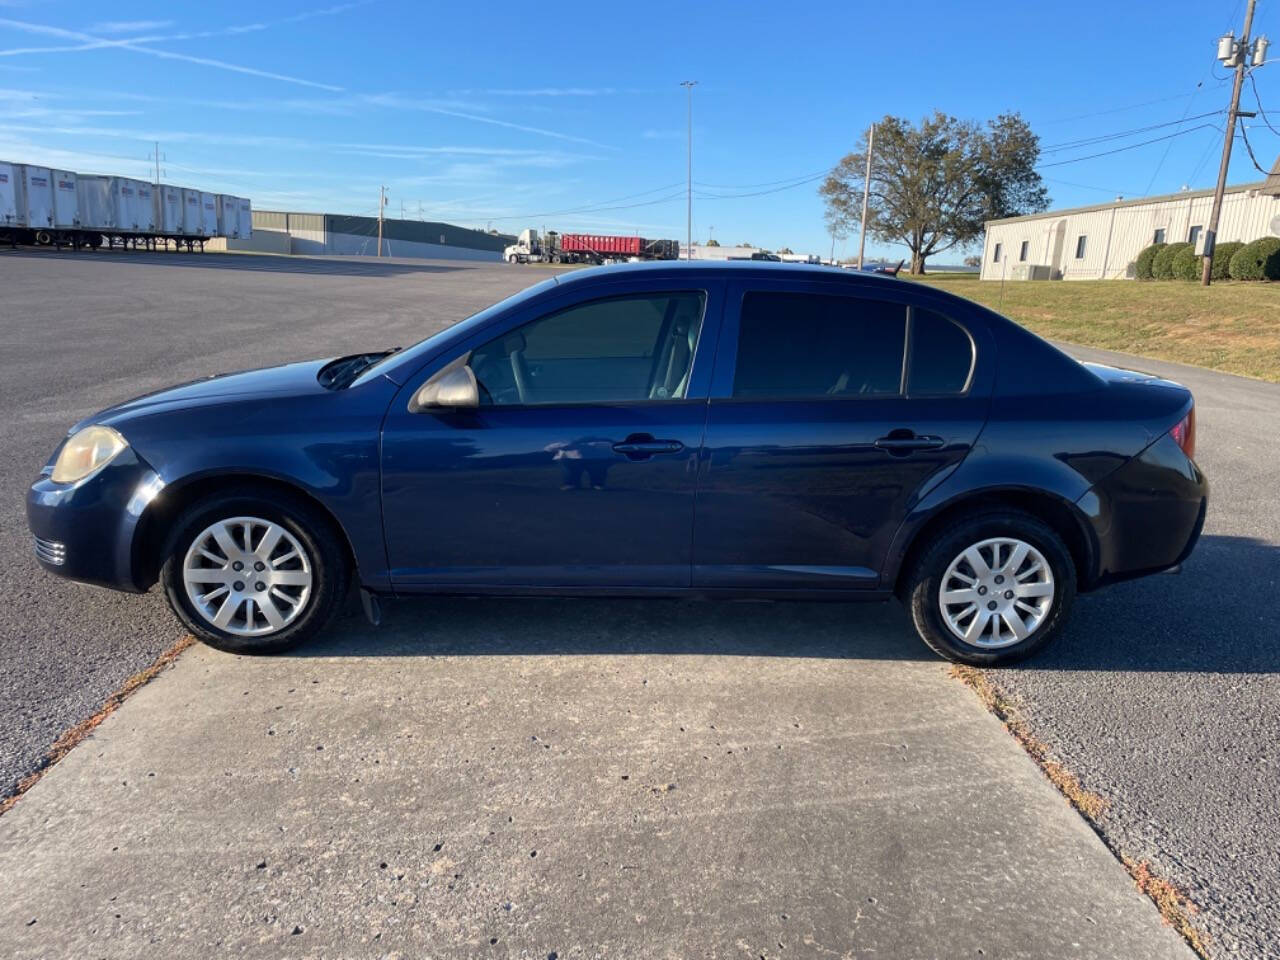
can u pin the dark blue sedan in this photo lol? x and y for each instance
(732, 430)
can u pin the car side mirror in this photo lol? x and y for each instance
(455, 389)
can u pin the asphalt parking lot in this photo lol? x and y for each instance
(1162, 696)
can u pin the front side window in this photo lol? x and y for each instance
(1080, 242)
(995, 257)
(1158, 237)
(619, 350)
(1024, 250)
(1193, 234)
(812, 345)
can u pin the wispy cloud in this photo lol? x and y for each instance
(508, 156)
(540, 92)
(138, 46)
(399, 102)
(128, 26)
(663, 135)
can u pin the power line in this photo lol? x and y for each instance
(1105, 137)
(1086, 186)
(1103, 113)
(594, 207)
(749, 186)
(760, 193)
(1249, 147)
(1131, 146)
(1262, 113)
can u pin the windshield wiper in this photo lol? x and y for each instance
(339, 374)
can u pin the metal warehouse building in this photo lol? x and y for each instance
(279, 231)
(1101, 242)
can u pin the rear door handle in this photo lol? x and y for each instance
(901, 443)
(642, 446)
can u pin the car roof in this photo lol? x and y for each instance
(722, 268)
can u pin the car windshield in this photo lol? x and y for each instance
(410, 354)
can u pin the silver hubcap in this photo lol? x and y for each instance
(247, 576)
(996, 593)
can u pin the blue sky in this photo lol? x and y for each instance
(506, 114)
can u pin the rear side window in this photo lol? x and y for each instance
(811, 345)
(941, 359)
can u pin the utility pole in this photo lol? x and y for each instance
(866, 195)
(382, 204)
(1239, 55)
(688, 233)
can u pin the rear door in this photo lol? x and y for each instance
(833, 407)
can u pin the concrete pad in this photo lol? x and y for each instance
(568, 779)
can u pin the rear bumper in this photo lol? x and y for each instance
(85, 531)
(1147, 516)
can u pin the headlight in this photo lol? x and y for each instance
(84, 453)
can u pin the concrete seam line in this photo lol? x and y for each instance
(1175, 907)
(73, 736)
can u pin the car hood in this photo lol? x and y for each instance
(290, 379)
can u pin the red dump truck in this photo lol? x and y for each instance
(587, 248)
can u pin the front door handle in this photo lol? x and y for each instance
(642, 446)
(900, 443)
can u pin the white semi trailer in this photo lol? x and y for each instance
(44, 206)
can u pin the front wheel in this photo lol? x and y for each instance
(992, 589)
(254, 571)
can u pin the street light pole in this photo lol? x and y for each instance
(688, 233)
(1238, 55)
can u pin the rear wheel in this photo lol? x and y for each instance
(254, 571)
(992, 589)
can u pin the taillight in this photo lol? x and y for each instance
(1184, 433)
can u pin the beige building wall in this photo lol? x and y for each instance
(1050, 245)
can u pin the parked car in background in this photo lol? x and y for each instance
(759, 430)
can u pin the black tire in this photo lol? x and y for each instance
(924, 580)
(314, 532)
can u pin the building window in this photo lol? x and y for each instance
(1158, 236)
(995, 257)
(1022, 250)
(1080, 246)
(1193, 234)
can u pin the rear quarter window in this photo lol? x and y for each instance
(942, 355)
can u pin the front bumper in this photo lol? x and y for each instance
(86, 530)
(1148, 515)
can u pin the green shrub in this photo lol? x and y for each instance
(1142, 266)
(1259, 260)
(1162, 265)
(1186, 265)
(1222, 254)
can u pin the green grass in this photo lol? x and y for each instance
(1229, 326)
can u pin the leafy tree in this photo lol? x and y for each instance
(972, 261)
(934, 185)
(785, 250)
(713, 242)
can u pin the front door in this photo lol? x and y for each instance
(577, 470)
(830, 413)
